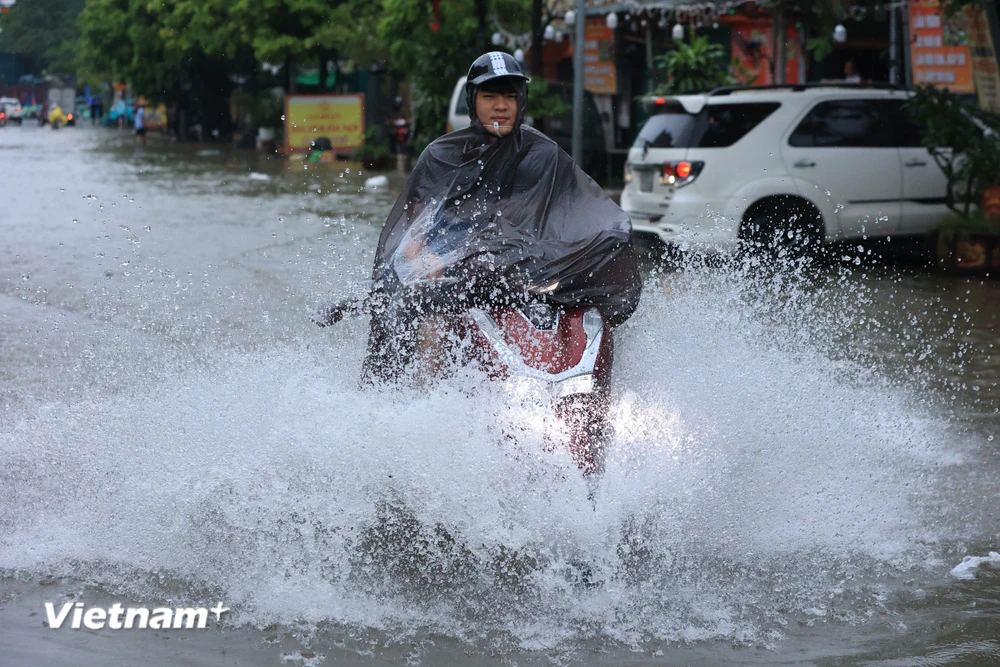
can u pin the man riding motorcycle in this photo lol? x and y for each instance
(493, 214)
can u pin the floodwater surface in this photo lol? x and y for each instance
(804, 467)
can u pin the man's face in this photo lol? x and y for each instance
(498, 108)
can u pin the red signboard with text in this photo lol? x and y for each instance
(939, 49)
(599, 57)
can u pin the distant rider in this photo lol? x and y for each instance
(140, 123)
(513, 215)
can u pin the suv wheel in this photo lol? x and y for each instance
(782, 227)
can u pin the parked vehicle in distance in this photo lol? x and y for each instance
(557, 128)
(11, 111)
(798, 165)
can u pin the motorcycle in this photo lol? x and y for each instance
(57, 118)
(570, 351)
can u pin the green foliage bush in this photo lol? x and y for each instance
(697, 66)
(964, 142)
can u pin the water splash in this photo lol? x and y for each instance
(754, 479)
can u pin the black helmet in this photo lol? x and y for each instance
(493, 65)
(490, 67)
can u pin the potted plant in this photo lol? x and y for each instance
(698, 66)
(965, 143)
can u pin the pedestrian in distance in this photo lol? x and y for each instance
(140, 122)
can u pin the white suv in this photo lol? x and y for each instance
(812, 163)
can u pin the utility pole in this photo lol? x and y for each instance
(779, 44)
(537, 43)
(578, 64)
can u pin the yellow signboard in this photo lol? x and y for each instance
(339, 118)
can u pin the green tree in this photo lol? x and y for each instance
(694, 67)
(964, 142)
(45, 30)
(135, 41)
(434, 60)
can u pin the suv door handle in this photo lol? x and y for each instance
(801, 164)
(916, 162)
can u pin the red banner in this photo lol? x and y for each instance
(599, 57)
(939, 48)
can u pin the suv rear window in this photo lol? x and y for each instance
(715, 126)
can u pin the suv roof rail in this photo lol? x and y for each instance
(799, 87)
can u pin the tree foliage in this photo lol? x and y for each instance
(964, 142)
(169, 49)
(694, 67)
(45, 30)
(432, 60)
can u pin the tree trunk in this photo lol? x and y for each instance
(482, 6)
(289, 77)
(537, 39)
(323, 71)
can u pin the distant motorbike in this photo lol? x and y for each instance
(56, 118)
(400, 129)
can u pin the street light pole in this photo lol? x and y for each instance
(578, 65)
(893, 46)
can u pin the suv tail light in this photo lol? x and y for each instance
(679, 174)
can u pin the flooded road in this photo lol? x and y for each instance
(801, 460)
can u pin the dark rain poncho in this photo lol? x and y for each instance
(508, 219)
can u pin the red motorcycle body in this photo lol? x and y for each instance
(570, 351)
